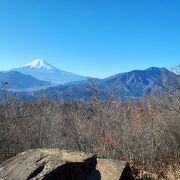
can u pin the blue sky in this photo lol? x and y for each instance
(90, 37)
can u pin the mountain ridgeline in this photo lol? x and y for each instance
(133, 85)
(18, 81)
(45, 80)
(46, 72)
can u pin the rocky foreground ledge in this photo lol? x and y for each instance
(56, 164)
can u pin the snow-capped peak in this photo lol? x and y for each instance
(39, 64)
(175, 69)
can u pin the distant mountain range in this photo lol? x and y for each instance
(46, 72)
(134, 85)
(18, 81)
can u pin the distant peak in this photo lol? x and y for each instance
(39, 64)
(175, 69)
(39, 61)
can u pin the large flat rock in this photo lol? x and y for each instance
(56, 164)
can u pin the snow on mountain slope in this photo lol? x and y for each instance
(44, 71)
(39, 64)
(175, 69)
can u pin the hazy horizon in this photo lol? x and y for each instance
(82, 74)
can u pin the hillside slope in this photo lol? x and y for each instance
(19, 81)
(135, 85)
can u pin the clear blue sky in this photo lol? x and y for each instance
(90, 37)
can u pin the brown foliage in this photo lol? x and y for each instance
(146, 131)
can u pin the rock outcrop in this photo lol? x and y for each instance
(56, 164)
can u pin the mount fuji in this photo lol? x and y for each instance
(46, 72)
